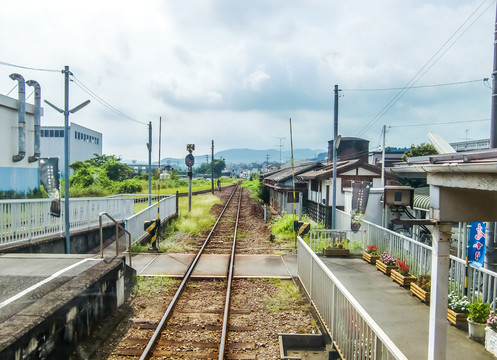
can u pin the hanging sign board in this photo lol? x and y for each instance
(49, 178)
(476, 244)
(360, 196)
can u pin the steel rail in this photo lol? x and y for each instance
(224, 333)
(146, 353)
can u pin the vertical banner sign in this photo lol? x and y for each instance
(476, 244)
(360, 195)
(49, 177)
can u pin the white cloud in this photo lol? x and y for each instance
(236, 71)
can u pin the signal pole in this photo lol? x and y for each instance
(212, 167)
(189, 161)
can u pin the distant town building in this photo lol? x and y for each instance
(471, 145)
(83, 143)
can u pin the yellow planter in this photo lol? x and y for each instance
(404, 281)
(370, 258)
(457, 319)
(385, 269)
(421, 294)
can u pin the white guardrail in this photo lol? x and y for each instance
(25, 220)
(482, 283)
(22, 220)
(354, 332)
(134, 224)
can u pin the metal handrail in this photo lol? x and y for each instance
(117, 235)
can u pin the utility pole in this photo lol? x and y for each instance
(212, 167)
(66, 112)
(267, 161)
(149, 147)
(383, 157)
(280, 145)
(335, 136)
(493, 111)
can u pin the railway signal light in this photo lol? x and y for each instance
(189, 160)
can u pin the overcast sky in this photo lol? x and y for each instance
(236, 71)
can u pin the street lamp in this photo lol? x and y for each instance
(66, 113)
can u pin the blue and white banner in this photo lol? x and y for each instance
(476, 244)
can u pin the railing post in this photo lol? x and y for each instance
(101, 236)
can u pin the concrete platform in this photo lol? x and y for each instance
(48, 301)
(210, 265)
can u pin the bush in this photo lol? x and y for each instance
(129, 186)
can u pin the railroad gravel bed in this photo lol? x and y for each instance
(262, 307)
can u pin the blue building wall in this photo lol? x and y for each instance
(19, 179)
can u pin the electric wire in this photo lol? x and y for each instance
(428, 65)
(27, 67)
(419, 86)
(441, 123)
(102, 101)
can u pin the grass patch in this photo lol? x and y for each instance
(286, 297)
(174, 238)
(149, 286)
(282, 229)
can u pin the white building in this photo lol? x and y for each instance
(83, 143)
(18, 165)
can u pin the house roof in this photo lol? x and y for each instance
(286, 171)
(342, 166)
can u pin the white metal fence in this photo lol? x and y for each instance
(354, 332)
(22, 220)
(482, 283)
(134, 224)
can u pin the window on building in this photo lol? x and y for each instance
(290, 197)
(314, 185)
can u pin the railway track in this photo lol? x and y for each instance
(214, 331)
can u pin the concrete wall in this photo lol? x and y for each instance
(53, 324)
(20, 176)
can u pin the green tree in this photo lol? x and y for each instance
(219, 166)
(421, 150)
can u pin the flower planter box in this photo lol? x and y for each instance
(404, 281)
(491, 341)
(457, 319)
(422, 295)
(336, 252)
(476, 331)
(385, 269)
(370, 258)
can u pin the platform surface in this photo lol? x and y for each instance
(210, 265)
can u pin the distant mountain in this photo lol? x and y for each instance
(248, 156)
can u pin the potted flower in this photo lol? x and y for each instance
(371, 254)
(457, 309)
(386, 263)
(402, 275)
(477, 320)
(491, 333)
(339, 248)
(421, 288)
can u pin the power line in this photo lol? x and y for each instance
(102, 101)
(428, 65)
(27, 67)
(442, 123)
(421, 86)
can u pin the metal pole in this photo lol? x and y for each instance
(158, 187)
(66, 160)
(149, 163)
(212, 167)
(293, 185)
(335, 135)
(190, 189)
(493, 112)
